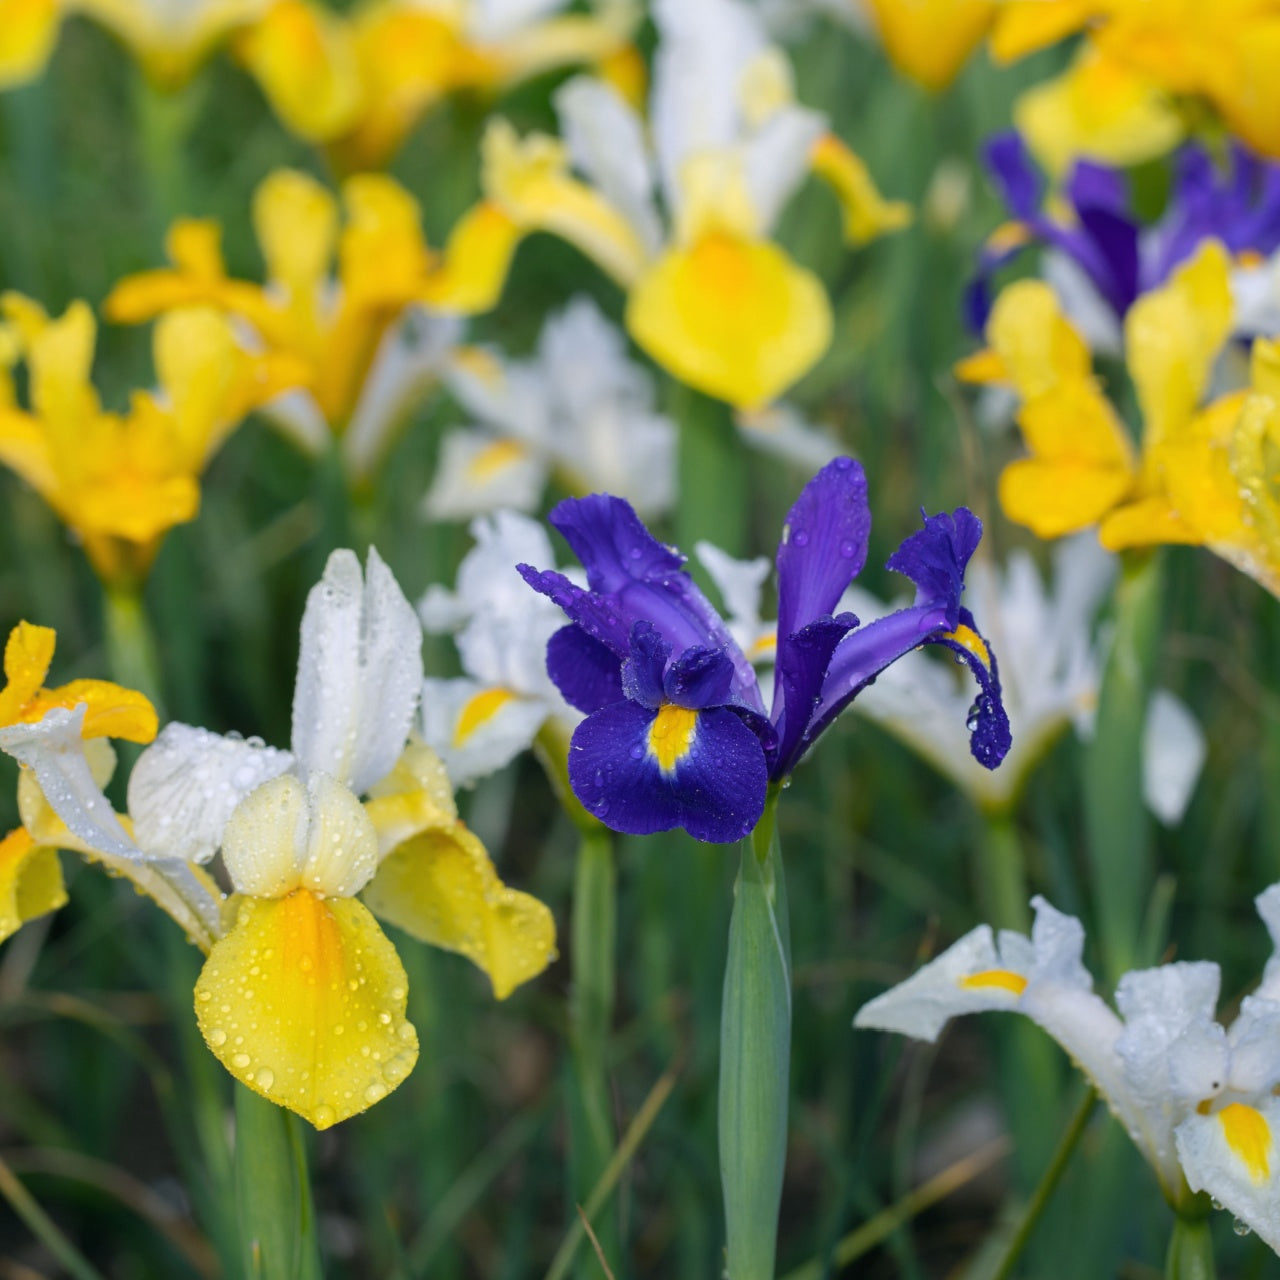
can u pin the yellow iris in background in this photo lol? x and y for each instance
(360, 84)
(122, 480)
(1204, 473)
(351, 331)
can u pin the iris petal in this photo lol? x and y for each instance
(715, 788)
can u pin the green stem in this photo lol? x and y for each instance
(1002, 873)
(1119, 835)
(1190, 1255)
(755, 1055)
(713, 474)
(273, 1193)
(164, 120)
(1048, 1185)
(591, 1129)
(131, 646)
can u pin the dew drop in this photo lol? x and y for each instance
(265, 1078)
(375, 1092)
(216, 1037)
(323, 1116)
(1240, 1228)
(240, 1061)
(801, 537)
(848, 549)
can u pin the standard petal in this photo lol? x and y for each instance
(802, 664)
(441, 888)
(359, 673)
(30, 881)
(28, 653)
(641, 771)
(183, 788)
(304, 1002)
(1173, 753)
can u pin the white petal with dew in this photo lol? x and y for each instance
(185, 785)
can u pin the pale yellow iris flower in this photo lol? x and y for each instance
(30, 876)
(169, 39)
(360, 84)
(1204, 473)
(366, 334)
(122, 480)
(710, 296)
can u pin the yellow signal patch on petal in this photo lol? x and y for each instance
(1249, 1137)
(867, 213)
(30, 881)
(671, 735)
(478, 711)
(304, 1002)
(732, 317)
(971, 641)
(441, 888)
(1002, 979)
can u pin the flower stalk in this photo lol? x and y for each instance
(1119, 831)
(273, 1193)
(1190, 1255)
(755, 1054)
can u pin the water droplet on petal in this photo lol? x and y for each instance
(265, 1078)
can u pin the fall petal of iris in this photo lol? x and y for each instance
(732, 317)
(304, 1002)
(441, 888)
(30, 881)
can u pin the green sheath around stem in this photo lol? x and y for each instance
(755, 1056)
(273, 1193)
(131, 645)
(592, 1136)
(1190, 1255)
(1119, 834)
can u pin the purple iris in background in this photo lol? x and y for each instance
(1121, 259)
(676, 731)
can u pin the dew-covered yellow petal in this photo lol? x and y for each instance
(1147, 522)
(528, 179)
(28, 32)
(1054, 499)
(930, 40)
(1097, 109)
(732, 317)
(476, 261)
(441, 888)
(304, 1002)
(30, 881)
(306, 61)
(1172, 338)
(28, 654)
(1035, 343)
(415, 796)
(867, 214)
(111, 711)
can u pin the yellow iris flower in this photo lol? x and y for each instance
(170, 39)
(348, 330)
(30, 875)
(360, 84)
(1205, 472)
(121, 481)
(709, 295)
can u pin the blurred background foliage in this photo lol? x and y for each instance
(461, 1174)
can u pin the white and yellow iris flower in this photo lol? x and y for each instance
(371, 334)
(121, 481)
(1050, 668)
(1196, 1098)
(709, 295)
(61, 736)
(481, 721)
(360, 84)
(302, 997)
(578, 409)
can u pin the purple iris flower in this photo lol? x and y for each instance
(676, 731)
(1121, 258)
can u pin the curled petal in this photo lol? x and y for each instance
(441, 888)
(304, 1002)
(642, 771)
(587, 672)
